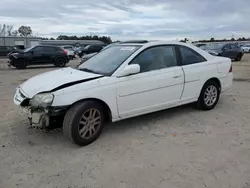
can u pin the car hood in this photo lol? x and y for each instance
(55, 80)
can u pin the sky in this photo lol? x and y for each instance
(131, 19)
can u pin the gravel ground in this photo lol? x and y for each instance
(179, 147)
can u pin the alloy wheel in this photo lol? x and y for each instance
(89, 123)
(211, 95)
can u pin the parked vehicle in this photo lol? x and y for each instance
(88, 56)
(246, 48)
(200, 44)
(91, 49)
(39, 55)
(231, 51)
(123, 81)
(5, 50)
(70, 51)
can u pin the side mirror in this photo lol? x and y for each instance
(129, 70)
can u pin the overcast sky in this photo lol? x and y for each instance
(129, 19)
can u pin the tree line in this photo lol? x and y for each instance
(219, 40)
(105, 39)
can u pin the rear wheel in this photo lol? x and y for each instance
(209, 96)
(83, 123)
(60, 62)
(239, 56)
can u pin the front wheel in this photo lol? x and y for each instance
(21, 64)
(83, 123)
(209, 96)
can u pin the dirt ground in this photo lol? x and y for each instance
(180, 147)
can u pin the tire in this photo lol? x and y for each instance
(77, 114)
(60, 62)
(238, 58)
(21, 64)
(204, 104)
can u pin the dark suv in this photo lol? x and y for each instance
(39, 55)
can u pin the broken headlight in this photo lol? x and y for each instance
(42, 100)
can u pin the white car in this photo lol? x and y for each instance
(246, 48)
(70, 51)
(123, 81)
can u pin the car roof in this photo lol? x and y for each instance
(155, 43)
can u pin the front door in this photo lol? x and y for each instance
(158, 85)
(39, 55)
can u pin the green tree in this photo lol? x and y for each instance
(25, 31)
(212, 39)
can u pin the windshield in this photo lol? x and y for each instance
(28, 49)
(212, 46)
(107, 61)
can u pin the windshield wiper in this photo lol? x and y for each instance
(88, 70)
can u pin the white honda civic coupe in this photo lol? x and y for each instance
(123, 81)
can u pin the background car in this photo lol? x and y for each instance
(5, 50)
(91, 49)
(39, 55)
(231, 51)
(246, 48)
(88, 56)
(70, 51)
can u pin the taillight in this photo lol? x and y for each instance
(65, 52)
(231, 68)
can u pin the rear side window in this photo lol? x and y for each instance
(50, 49)
(189, 56)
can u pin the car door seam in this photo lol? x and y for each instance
(149, 90)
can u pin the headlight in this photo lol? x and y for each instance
(42, 100)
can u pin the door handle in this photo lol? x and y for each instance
(177, 75)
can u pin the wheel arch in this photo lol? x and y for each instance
(107, 111)
(215, 80)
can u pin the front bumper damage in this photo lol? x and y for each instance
(49, 118)
(44, 118)
(38, 119)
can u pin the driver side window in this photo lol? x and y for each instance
(38, 50)
(156, 58)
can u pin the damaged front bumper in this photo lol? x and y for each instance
(39, 119)
(44, 118)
